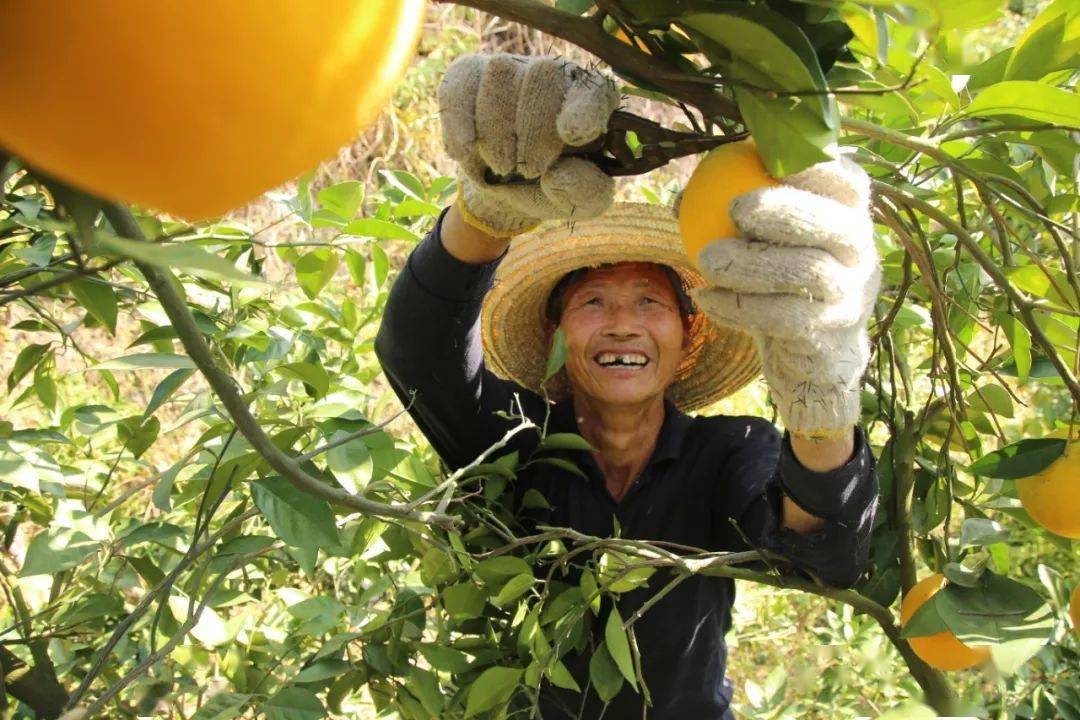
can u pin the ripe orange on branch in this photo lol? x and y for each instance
(942, 650)
(194, 106)
(1052, 497)
(725, 172)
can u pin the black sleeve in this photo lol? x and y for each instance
(761, 468)
(429, 347)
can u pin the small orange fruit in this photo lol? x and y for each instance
(1052, 497)
(195, 106)
(941, 650)
(726, 172)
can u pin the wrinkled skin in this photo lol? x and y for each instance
(623, 308)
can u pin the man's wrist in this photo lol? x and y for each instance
(466, 242)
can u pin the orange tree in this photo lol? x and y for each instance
(293, 555)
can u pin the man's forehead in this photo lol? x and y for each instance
(634, 273)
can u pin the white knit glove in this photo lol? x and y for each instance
(803, 285)
(515, 114)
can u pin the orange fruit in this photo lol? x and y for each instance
(941, 650)
(726, 172)
(1074, 609)
(1052, 497)
(194, 106)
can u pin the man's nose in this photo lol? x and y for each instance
(622, 321)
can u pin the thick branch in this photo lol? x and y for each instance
(224, 386)
(590, 36)
(34, 686)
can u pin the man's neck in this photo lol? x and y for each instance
(624, 438)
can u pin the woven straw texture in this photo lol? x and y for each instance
(721, 359)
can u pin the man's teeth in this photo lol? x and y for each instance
(622, 359)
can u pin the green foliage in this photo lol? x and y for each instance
(140, 518)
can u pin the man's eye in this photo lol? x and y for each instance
(593, 301)
(647, 300)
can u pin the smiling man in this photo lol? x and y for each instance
(470, 322)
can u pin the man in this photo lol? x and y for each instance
(470, 320)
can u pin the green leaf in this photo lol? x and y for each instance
(463, 601)
(494, 687)
(991, 398)
(1020, 339)
(577, 7)
(57, 549)
(223, 706)
(40, 252)
(911, 710)
(565, 441)
(210, 630)
(293, 704)
(301, 520)
(321, 670)
(406, 182)
(557, 356)
(769, 51)
(382, 229)
(165, 389)
(1027, 99)
(343, 199)
(314, 377)
(619, 646)
(146, 361)
(981, 531)
(997, 610)
(496, 570)
(1050, 42)
(380, 265)
(444, 658)
(560, 677)
(562, 465)
(176, 256)
(138, 433)
(27, 358)
(99, 300)
(1020, 459)
(315, 269)
(605, 675)
(513, 589)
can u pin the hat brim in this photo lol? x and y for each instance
(513, 322)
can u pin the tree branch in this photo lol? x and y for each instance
(161, 282)
(630, 61)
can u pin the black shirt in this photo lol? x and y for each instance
(704, 473)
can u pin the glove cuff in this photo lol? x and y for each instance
(490, 217)
(816, 382)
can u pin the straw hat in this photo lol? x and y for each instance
(721, 359)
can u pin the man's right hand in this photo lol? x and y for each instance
(515, 114)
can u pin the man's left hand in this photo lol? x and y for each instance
(802, 280)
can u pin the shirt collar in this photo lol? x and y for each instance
(669, 443)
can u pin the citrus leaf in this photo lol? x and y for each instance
(301, 520)
(99, 300)
(619, 646)
(494, 686)
(294, 704)
(1020, 459)
(1027, 99)
(604, 674)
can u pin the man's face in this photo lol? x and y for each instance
(624, 333)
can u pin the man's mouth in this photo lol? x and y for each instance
(631, 360)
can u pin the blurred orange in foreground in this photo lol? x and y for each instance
(194, 106)
(942, 650)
